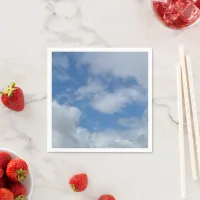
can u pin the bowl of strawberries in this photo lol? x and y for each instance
(16, 181)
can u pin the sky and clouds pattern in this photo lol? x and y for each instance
(100, 99)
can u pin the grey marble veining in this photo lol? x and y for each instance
(27, 29)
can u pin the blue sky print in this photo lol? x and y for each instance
(100, 99)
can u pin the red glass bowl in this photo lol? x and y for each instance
(177, 14)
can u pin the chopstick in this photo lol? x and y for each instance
(181, 133)
(188, 111)
(194, 108)
(187, 108)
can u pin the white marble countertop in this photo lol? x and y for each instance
(27, 29)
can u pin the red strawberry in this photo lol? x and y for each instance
(4, 159)
(3, 182)
(79, 182)
(1, 173)
(19, 191)
(17, 170)
(106, 197)
(6, 194)
(13, 98)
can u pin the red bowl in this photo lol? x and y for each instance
(177, 14)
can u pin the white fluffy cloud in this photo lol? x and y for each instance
(90, 89)
(109, 102)
(133, 122)
(68, 134)
(122, 65)
(139, 126)
(64, 120)
(112, 102)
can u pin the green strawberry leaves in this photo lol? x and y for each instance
(9, 90)
(21, 175)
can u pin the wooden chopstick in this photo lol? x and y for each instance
(194, 109)
(188, 111)
(187, 107)
(181, 133)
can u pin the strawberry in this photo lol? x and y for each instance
(3, 182)
(17, 170)
(79, 182)
(106, 197)
(13, 98)
(19, 191)
(4, 159)
(6, 194)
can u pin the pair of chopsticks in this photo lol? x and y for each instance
(187, 109)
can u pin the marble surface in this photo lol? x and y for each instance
(27, 29)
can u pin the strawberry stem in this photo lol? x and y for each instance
(21, 175)
(9, 89)
(20, 197)
(73, 188)
(13, 84)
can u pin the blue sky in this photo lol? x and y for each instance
(100, 99)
